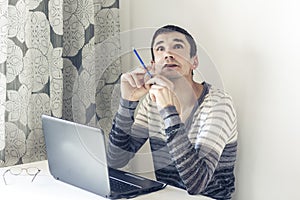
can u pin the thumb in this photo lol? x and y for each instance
(152, 96)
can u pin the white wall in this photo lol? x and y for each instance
(255, 45)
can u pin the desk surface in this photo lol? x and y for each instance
(46, 187)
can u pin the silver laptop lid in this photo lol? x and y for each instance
(70, 146)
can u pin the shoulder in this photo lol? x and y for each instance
(218, 92)
(218, 96)
(218, 101)
(220, 105)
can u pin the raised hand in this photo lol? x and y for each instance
(162, 92)
(133, 86)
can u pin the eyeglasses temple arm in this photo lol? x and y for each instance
(3, 175)
(36, 175)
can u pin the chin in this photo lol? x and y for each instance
(171, 74)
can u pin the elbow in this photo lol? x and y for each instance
(118, 160)
(193, 192)
(199, 186)
(116, 163)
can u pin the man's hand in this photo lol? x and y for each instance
(133, 86)
(161, 92)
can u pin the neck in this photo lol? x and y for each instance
(187, 91)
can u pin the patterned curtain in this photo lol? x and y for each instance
(56, 58)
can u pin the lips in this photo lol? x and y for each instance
(170, 65)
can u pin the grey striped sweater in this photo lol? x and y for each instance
(198, 155)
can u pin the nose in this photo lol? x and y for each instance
(168, 55)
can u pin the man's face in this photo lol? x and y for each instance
(172, 55)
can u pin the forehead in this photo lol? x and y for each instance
(170, 37)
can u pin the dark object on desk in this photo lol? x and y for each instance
(77, 156)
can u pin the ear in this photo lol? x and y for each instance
(195, 62)
(152, 66)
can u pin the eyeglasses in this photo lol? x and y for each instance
(32, 171)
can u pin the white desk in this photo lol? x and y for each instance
(46, 187)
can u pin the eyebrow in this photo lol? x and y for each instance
(159, 42)
(175, 40)
(179, 40)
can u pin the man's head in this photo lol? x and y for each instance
(173, 28)
(174, 52)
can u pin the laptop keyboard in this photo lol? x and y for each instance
(119, 186)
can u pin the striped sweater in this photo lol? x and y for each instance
(198, 155)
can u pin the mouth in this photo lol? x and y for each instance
(170, 66)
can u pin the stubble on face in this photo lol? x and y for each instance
(172, 55)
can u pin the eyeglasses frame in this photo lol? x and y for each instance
(21, 169)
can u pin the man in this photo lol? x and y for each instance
(192, 127)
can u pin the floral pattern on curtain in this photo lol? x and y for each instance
(56, 58)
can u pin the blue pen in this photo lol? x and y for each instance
(141, 61)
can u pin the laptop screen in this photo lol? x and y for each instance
(76, 155)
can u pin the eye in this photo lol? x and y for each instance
(178, 46)
(160, 48)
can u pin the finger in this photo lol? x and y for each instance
(135, 78)
(162, 81)
(157, 87)
(149, 74)
(128, 78)
(142, 69)
(139, 70)
(139, 80)
(152, 95)
(140, 75)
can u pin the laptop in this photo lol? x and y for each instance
(76, 155)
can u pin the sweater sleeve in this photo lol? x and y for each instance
(214, 126)
(125, 138)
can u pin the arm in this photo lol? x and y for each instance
(215, 125)
(125, 138)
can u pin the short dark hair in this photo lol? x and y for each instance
(174, 28)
